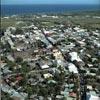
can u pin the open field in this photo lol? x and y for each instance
(89, 20)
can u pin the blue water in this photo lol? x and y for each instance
(31, 9)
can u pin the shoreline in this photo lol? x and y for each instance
(53, 13)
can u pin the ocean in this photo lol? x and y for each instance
(33, 9)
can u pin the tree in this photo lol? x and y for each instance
(19, 60)
(7, 47)
(43, 91)
(11, 65)
(29, 90)
(25, 67)
(19, 31)
(5, 96)
(52, 56)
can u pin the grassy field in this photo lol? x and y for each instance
(89, 20)
(7, 22)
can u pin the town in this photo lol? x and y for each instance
(48, 57)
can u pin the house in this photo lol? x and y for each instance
(57, 54)
(19, 78)
(74, 56)
(72, 94)
(52, 81)
(90, 74)
(6, 71)
(7, 38)
(89, 87)
(41, 97)
(60, 63)
(97, 43)
(94, 98)
(90, 65)
(10, 58)
(47, 75)
(76, 28)
(59, 97)
(44, 66)
(81, 43)
(52, 40)
(72, 68)
(96, 33)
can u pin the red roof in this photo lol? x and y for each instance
(19, 78)
(72, 94)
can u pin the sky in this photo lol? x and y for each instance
(50, 1)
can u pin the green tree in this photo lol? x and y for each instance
(19, 60)
(25, 67)
(19, 31)
(29, 90)
(43, 91)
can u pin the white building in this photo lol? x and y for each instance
(44, 66)
(72, 68)
(74, 56)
